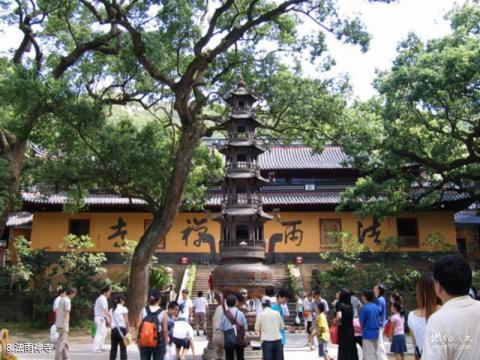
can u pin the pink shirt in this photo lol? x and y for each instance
(398, 322)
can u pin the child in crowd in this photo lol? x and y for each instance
(399, 345)
(183, 338)
(323, 333)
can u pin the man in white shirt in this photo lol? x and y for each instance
(270, 325)
(453, 331)
(60, 295)
(53, 314)
(183, 338)
(62, 323)
(200, 307)
(185, 306)
(102, 319)
(317, 299)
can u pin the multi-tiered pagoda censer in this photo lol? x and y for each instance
(242, 243)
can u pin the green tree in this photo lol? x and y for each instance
(81, 269)
(33, 269)
(175, 57)
(420, 138)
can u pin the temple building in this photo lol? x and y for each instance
(301, 187)
(305, 192)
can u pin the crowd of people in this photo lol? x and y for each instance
(444, 326)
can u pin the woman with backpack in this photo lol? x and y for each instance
(234, 339)
(120, 328)
(151, 339)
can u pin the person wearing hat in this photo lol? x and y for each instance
(269, 324)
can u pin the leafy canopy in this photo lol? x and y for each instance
(421, 136)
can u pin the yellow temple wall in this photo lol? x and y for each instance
(49, 229)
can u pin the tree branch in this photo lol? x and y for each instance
(95, 44)
(140, 53)
(197, 49)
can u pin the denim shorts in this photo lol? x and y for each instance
(322, 348)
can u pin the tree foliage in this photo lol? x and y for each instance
(420, 138)
(80, 267)
(176, 57)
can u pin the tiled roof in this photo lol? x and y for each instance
(20, 218)
(302, 157)
(467, 217)
(286, 198)
(91, 199)
(454, 196)
(272, 197)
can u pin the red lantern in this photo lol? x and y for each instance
(184, 260)
(298, 260)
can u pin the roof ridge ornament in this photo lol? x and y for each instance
(241, 81)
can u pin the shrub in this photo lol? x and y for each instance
(160, 277)
(81, 269)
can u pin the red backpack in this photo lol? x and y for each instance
(149, 330)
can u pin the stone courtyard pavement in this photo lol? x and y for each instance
(294, 350)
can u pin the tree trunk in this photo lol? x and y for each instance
(13, 151)
(162, 222)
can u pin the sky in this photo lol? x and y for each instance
(387, 23)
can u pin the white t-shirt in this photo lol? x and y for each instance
(185, 313)
(182, 330)
(56, 302)
(452, 332)
(101, 305)
(307, 306)
(64, 307)
(417, 324)
(118, 316)
(200, 305)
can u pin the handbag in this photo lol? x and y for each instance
(229, 338)
(54, 335)
(236, 335)
(388, 328)
(357, 327)
(52, 316)
(334, 334)
(127, 339)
